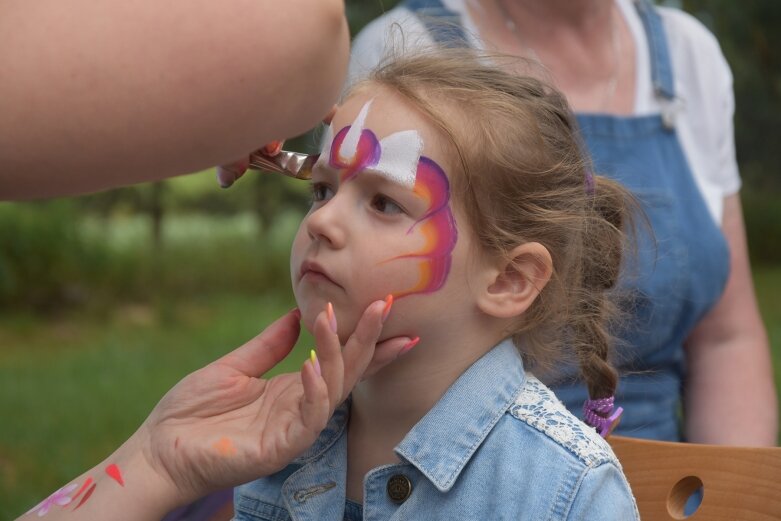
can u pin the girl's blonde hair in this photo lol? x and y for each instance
(524, 178)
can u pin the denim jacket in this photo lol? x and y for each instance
(498, 445)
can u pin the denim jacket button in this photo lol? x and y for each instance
(399, 488)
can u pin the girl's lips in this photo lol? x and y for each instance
(315, 272)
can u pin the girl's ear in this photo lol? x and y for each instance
(511, 286)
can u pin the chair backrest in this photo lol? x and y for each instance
(738, 483)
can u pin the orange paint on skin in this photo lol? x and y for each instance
(432, 185)
(225, 447)
(437, 226)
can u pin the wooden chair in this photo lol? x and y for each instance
(738, 483)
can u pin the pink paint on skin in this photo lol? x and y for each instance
(115, 474)
(437, 225)
(367, 154)
(60, 498)
(87, 495)
(84, 487)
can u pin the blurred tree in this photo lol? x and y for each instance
(751, 41)
(361, 12)
(750, 36)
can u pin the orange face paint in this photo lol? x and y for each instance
(431, 184)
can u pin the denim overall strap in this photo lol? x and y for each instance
(442, 24)
(661, 65)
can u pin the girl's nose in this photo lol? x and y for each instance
(327, 224)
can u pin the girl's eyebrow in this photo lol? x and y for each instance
(380, 180)
(383, 176)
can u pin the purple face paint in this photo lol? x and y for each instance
(397, 157)
(367, 154)
(438, 227)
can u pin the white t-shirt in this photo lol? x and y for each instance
(703, 84)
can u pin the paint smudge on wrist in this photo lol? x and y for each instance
(63, 498)
(224, 446)
(115, 474)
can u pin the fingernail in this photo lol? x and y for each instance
(315, 362)
(296, 312)
(225, 177)
(409, 345)
(273, 148)
(329, 309)
(387, 308)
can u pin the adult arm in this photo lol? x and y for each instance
(101, 94)
(224, 424)
(730, 395)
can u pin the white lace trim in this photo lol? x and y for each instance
(539, 407)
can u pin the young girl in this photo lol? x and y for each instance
(459, 191)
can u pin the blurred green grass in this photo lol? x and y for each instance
(767, 281)
(73, 389)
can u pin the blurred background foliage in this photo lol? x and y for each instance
(750, 37)
(107, 300)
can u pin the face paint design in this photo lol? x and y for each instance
(438, 227)
(398, 158)
(59, 498)
(355, 148)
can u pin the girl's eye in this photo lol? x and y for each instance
(321, 192)
(386, 205)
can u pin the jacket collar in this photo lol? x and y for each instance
(442, 443)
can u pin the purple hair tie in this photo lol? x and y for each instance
(589, 182)
(600, 415)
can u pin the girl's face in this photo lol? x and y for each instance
(382, 222)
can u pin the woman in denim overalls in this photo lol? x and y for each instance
(682, 287)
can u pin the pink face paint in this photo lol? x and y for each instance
(438, 227)
(114, 473)
(355, 148)
(60, 498)
(367, 154)
(397, 157)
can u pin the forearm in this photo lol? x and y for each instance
(731, 397)
(122, 488)
(98, 94)
(730, 391)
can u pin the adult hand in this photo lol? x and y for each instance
(224, 424)
(228, 174)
